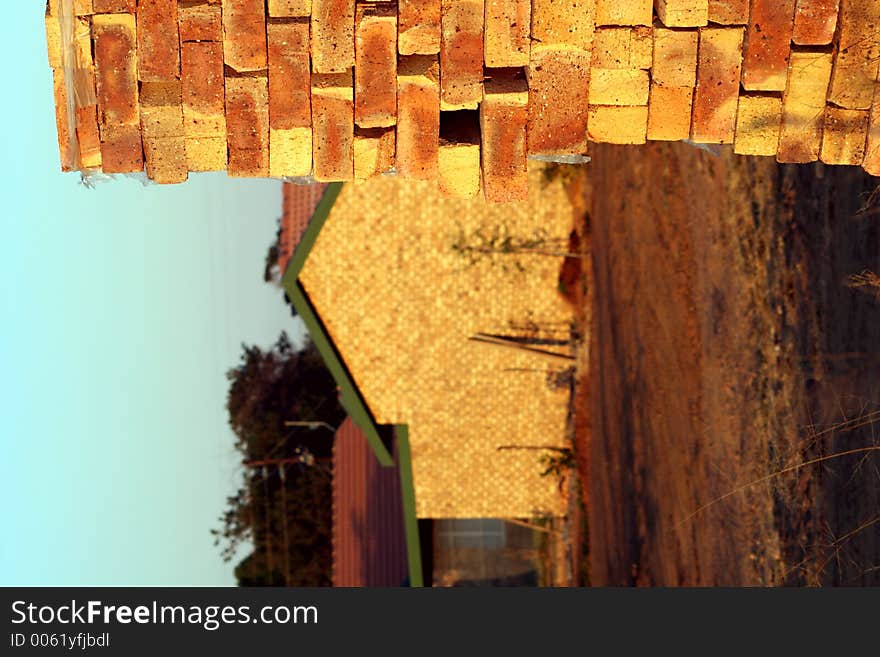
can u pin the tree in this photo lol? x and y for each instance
(283, 505)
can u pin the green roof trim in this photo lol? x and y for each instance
(307, 241)
(408, 495)
(349, 396)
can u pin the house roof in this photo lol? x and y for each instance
(369, 540)
(299, 203)
(359, 414)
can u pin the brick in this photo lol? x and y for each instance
(613, 86)
(247, 126)
(803, 109)
(461, 53)
(163, 132)
(200, 23)
(418, 122)
(458, 159)
(844, 136)
(418, 27)
(617, 125)
(115, 48)
(206, 153)
(757, 125)
(624, 12)
(503, 120)
(682, 13)
(375, 71)
(158, 40)
(114, 6)
(767, 45)
(675, 58)
(717, 90)
(244, 35)
(289, 8)
(83, 8)
(729, 12)
(373, 152)
(559, 90)
(815, 22)
(564, 22)
(202, 87)
(871, 162)
(67, 152)
(53, 34)
(669, 113)
(87, 132)
(507, 30)
(623, 47)
(290, 152)
(857, 59)
(333, 126)
(289, 76)
(332, 35)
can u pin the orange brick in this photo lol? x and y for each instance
(803, 110)
(114, 6)
(614, 86)
(461, 53)
(418, 29)
(290, 8)
(857, 59)
(717, 91)
(158, 40)
(623, 47)
(624, 12)
(244, 28)
(507, 30)
(675, 57)
(204, 105)
(669, 113)
(458, 158)
(503, 120)
(871, 162)
(844, 137)
(66, 149)
(559, 89)
(87, 133)
(373, 152)
(418, 121)
(757, 125)
(729, 12)
(617, 125)
(289, 76)
(200, 23)
(53, 34)
(83, 7)
(815, 22)
(333, 126)
(564, 22)
(375, 71)
(332, 35)
(247, 126)
(682, 13)
(163, 132)
(115, 47)
(768, 45)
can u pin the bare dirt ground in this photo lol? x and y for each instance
(725, 346)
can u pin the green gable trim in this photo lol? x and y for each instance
(307, 241)
(408, 495)
(351, 399)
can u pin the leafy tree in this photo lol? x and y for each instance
(283, 506)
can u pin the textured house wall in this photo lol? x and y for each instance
(400, 304)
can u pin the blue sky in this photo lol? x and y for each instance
(121, 308)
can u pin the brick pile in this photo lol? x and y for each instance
(461, 92)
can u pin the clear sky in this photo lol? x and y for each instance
(121, 308)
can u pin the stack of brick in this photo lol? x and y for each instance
(457, 91)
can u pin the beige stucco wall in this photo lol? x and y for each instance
(400, 304)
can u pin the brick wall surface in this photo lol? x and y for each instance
(351, 89)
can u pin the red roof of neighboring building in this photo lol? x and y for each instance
(298, 206)
(369, 544)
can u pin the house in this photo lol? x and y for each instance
(441, 322)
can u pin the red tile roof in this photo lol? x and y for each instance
(369, 544)
(299, 205)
